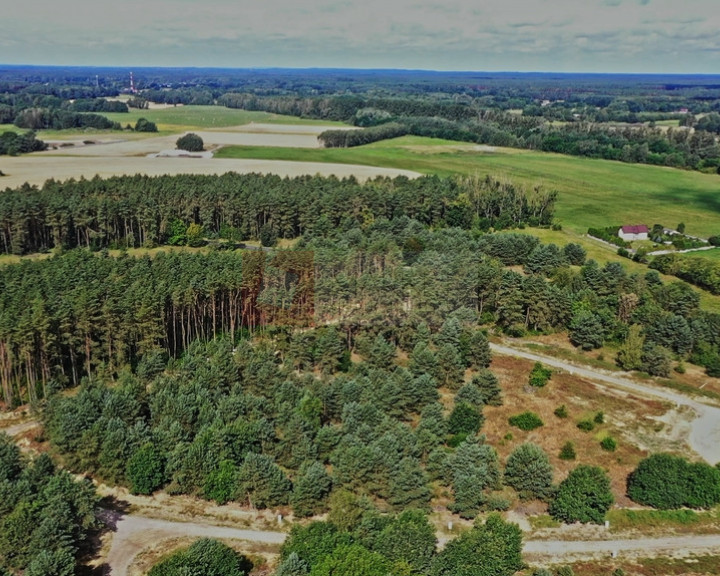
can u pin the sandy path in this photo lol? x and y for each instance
(704, 437)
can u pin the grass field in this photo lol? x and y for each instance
(181, 118)
(708, 254)
(592, 193)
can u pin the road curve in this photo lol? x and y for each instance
(132, 534)
(705, 428)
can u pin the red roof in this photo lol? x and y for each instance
(640, 229)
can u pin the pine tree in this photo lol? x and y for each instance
(311, 490)
(529, 472)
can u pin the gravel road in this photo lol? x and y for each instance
(648, 546)
(705, 428)
(135, 533)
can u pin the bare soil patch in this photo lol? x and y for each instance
(112, 155)
(37, 169)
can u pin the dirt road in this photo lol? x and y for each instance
(704, 435)
(16, 429)
(135, 533)
(648, 547)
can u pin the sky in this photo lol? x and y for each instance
(639, 36)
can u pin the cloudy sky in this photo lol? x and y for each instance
(526, 35)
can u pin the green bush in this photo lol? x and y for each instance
(584, 496)
(561, 411)
(586, 425)
(608, 444)
(145, 470)
(207, 557)
(539, 375)
(190, 142)
(143, 125)
(668, 482)
(567, 452)
(526, 421)
(465, 419)
(599, 418)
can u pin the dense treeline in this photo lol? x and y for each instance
(703, 272)
(109, 311)
(251, 423)
(46, 112)
(388, 274)
(12, 143)
(58, 119)
(142, 210)
(98, 105)
(472, 122)
(46, 515)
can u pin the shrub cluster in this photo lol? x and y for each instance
(667, 482)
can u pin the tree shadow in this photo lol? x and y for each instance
(110, 511)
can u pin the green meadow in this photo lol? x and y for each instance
(591, 193)
(181, 118)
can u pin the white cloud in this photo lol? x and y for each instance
(450, 34)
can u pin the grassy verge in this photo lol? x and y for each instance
(543, 521)
(624, 520)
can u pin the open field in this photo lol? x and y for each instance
(592, 193)
(707, 254)
(28, 169)
(112, 154)
(180, 118)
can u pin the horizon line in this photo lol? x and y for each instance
(357, 69)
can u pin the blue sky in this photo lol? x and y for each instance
(654, 36)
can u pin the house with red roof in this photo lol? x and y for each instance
(631, 233)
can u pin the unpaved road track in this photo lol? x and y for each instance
(135, 533)
(647, 546)
(704, 429)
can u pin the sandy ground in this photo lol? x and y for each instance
(114, 156)
(36, 170)
(703, 431)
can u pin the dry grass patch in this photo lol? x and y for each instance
(693, 565)
(625, 419)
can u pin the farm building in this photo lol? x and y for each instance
(630, 233)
